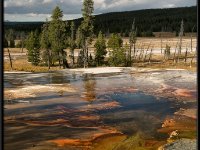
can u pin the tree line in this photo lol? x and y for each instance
(47, 45)
(147, 21)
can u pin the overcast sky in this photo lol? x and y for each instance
(39, 10)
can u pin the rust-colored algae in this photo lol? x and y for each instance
(73, 142)
(104, 132)
(168, 123)
(153, 143)
(185, 93)
(47, 123)
(91, 117)
(179, 124)
(105, 105)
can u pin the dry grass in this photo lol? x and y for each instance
(20, 63)
(14, 50)
(23, 65)
(168, 64)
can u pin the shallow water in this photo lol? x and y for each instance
(111, 101)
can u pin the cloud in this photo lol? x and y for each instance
(36, 17)
(73, 7)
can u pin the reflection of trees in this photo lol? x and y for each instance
(59, 78)
(73, 76)
(89, 85)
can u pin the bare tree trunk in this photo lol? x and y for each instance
(10, 59)
(180, 39)
(134, 50)
(135, 57)
(161, 44)
(191, 37)
(175, 53)
(22, 46)
(178, 58)
(193, 58)
(146, 52)
(140, 54)
(186, 55)
(130, 54)
(150, 55)
(191, 43)
(72, 57)
(59, 60)
(87, 57)
(84, 56)
(48, 61)
(145, 55)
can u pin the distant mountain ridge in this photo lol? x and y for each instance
(148, 20)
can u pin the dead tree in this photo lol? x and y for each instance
(22, 37)
(191, 37)
(167, 52)
(10, 59)
(150, 56)
(161, 39)
(192, 60)
(146, 52)
(145, 55)
(135, 56)
(132, 40)
(186, 54)
(175, 53)
(180, 39)
(141, 52)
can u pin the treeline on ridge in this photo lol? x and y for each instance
(147, 21)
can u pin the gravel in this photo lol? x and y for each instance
(182, 144)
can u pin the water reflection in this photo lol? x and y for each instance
(115, 107)
(59, 78)
(89, 84)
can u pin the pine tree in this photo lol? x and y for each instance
(80, 59)
(100, 46)
(57, 29)
(79, 37)
(72, 43)
(33, 47)
(45, 44)
(5, 43)
(90, 60)
(115, 41)
(118, 54)
(86, 27)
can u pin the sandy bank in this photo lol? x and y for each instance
(16, 72)
(100, 70)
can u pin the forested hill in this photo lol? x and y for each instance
(149, 20)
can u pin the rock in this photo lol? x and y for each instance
(173, 134)
(168, 123)
(182, 144)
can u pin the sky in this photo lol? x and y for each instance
(39, 10)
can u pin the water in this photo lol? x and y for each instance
(111, 101)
